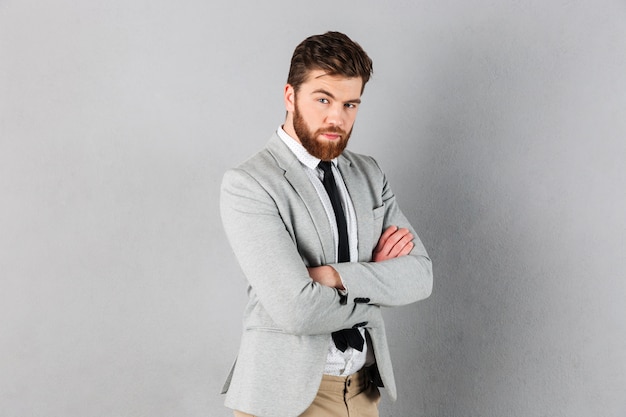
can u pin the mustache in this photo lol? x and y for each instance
(332, 129)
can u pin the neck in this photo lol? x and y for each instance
(288, 127)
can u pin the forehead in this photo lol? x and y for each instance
(334, 84)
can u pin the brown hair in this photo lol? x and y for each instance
(333, 52)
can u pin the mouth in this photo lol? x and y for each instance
(331, 136)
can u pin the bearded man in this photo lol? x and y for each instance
(323, 246)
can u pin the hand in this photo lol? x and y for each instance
(326, 275)
(393, 243)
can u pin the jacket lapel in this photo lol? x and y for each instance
(301, 185)
(361, 200)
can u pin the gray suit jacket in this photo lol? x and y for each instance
(277, 226)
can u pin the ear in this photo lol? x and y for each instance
(290, 98)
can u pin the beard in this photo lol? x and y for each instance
(322, 149)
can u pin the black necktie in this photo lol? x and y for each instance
(347, 337)
(333, 194)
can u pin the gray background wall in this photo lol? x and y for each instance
(501, 127)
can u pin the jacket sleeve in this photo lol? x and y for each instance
(273, 267)
(394, 282)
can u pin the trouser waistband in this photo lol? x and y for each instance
(350, 385)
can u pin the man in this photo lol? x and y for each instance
(321, 240)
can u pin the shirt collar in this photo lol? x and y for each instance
(299, 151)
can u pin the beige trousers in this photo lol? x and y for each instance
(351, 396)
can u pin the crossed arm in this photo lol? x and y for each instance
(393, 243)
(293, 296)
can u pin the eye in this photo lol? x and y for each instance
(350, 105)
(323, 100)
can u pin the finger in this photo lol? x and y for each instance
(400, 248)
(391, 242)
(383, 238)
(406, 249)
(401, 235)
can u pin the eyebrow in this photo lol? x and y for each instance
(329, 94)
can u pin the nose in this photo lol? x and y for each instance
(335, 115)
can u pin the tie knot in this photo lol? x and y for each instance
(325, 166)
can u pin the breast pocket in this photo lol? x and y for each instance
(378, 215)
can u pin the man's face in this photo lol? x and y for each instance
(324, 111)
